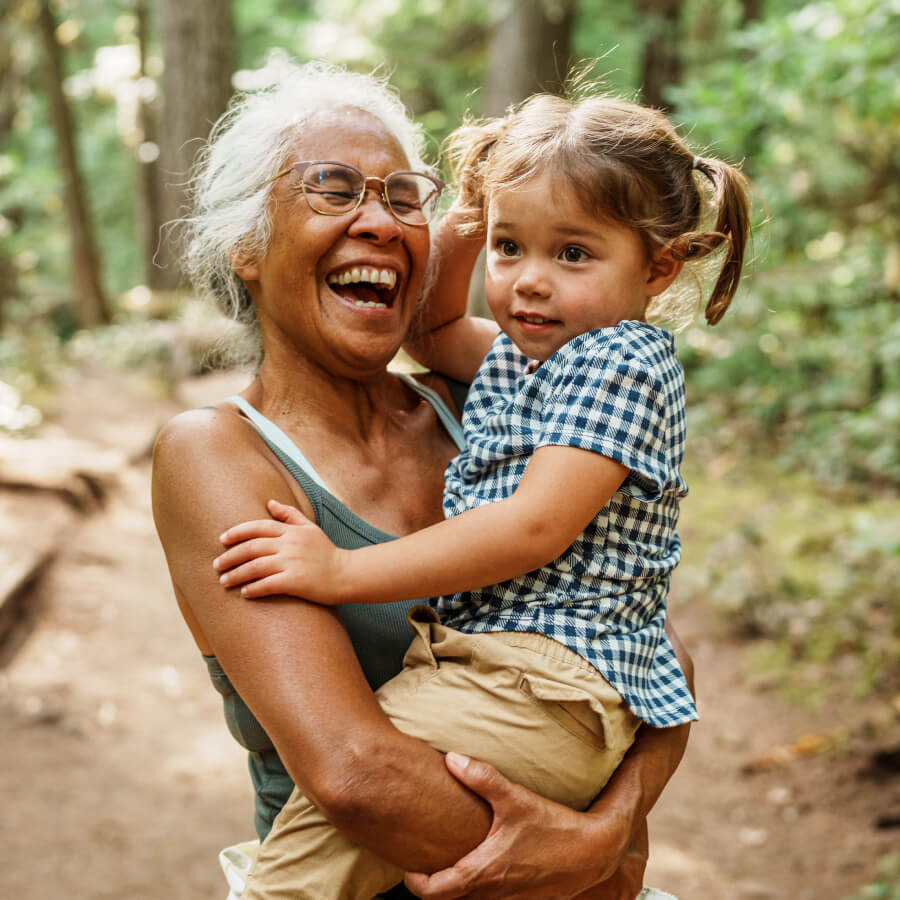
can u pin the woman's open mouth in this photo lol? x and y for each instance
(365, 286)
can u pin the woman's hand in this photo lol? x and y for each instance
(535, 850)
(287, 554)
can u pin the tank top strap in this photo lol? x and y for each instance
(448, 420)
(277, 439)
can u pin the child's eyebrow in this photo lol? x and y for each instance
(568, 230)
(575, 231)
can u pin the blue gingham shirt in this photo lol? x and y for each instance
(618, 391)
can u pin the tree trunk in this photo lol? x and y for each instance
(751, 11)
(8, 275)
(90, 302)
(149, 199)
(198, 49)
(529, 50)
(660, 63)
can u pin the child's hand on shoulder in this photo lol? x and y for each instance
(287, 554)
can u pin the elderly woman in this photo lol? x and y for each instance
(331, 282)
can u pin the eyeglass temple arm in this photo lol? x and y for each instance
(281, 174)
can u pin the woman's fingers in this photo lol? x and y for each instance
(535, 849)
(482, 778)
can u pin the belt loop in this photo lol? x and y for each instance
(421, 618)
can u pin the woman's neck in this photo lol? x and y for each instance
(299, 393)
(378, 446)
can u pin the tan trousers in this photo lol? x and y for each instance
(521, 701)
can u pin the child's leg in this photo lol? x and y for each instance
(521, 701)
(305, 858)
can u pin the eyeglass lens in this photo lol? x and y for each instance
(333, 189)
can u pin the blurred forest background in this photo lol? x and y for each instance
(794, 401)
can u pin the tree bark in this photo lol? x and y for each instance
(660, 62)
(198, 49)
(751, 11)
(90, 301)
(149, 187)
(529, 50)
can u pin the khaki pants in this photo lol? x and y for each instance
(521, 701)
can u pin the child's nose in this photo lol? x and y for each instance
(533, 280)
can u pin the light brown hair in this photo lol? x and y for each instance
(629, 166)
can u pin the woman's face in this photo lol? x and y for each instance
(303, 307)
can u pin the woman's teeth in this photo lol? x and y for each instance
(371, 276)
(374, 284)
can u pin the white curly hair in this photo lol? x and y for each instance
(248, 145)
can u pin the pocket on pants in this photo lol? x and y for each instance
(575, 710)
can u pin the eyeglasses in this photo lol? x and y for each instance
(335, 189)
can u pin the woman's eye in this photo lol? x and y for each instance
(574, 254)
(507, 248)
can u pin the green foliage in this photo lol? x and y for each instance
(887, 884)
(813, 362)
(810, 578)
(805, 368)
(32, 191)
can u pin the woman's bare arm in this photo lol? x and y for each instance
(293, 663)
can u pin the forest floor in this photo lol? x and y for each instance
(119, 779)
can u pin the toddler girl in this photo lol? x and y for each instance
(565, 500)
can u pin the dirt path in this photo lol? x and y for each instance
(119, 780)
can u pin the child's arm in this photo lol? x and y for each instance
(443, 338)
(562, 490)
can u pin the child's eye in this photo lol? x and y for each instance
(573, 255)
(507, 248)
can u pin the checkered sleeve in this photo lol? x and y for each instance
(606, 393)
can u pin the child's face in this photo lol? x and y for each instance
(554, 271)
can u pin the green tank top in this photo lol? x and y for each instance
(379, 632)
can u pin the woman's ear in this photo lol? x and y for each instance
(663, 270)
(244, 265)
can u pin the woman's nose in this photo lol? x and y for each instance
(374, 219)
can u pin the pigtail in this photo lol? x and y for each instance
(468, 149)
(731, 201)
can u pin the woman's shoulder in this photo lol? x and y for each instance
(200, 435)
(451, 391)
(199, 453)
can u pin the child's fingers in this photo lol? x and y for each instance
(249, 571)
(284, 513)
(269, 586)
(277, 584)
(243, 552)
(259, 528)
